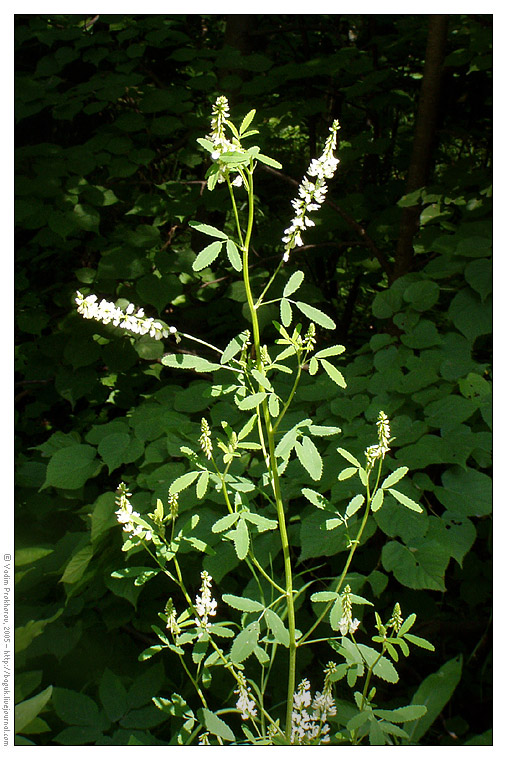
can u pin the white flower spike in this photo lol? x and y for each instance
(107, 313)
(311, 194)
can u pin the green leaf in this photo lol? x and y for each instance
(247, 121)
(354, 504)
(402, 714)
(277, 628)
(202, 484)
(269, 161)
(184, 481)
(242, 603)
(207, 256)
(78, 736)
(434, 693)
(224, 523)
(207, 229)
(316, 315)
(241, 539)
(470, 315)
(383, 669)
(335, 374)
(262, 523)
(25, 712)
(187, 361)
(71, 467)
(74, 708)
(245, 642)
(112, 448)
(285, 312)
(347, 473)
(324, 596)
(323, 430)
(421, 567)
(77, 565)
(233, 347)
(250, 402)
(394, 477)
(216, 725)
(293, 283)
(466, 493)
(377, 500)
(419, 642)
(317, 500)
(422, 295)
(262, 380)
(331, 351)
(309, 457)
(405, 500)
(349, 457)
(113, 695)
(233, 254)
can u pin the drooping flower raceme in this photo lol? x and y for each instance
(107, 313)
(311, 195)
(205, 605)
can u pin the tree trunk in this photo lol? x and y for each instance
(424, 138)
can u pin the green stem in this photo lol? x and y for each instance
(288, 591)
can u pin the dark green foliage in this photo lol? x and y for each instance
(109, 177)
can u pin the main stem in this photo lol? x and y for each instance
(282, 525)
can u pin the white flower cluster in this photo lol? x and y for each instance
(107, 313)
(125, 513)
(205, 605)
(245, 702)
(220, 114)
(311, 195)
(309, 715)
(347, 624)
(379, 450)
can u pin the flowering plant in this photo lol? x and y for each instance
(245, 466)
